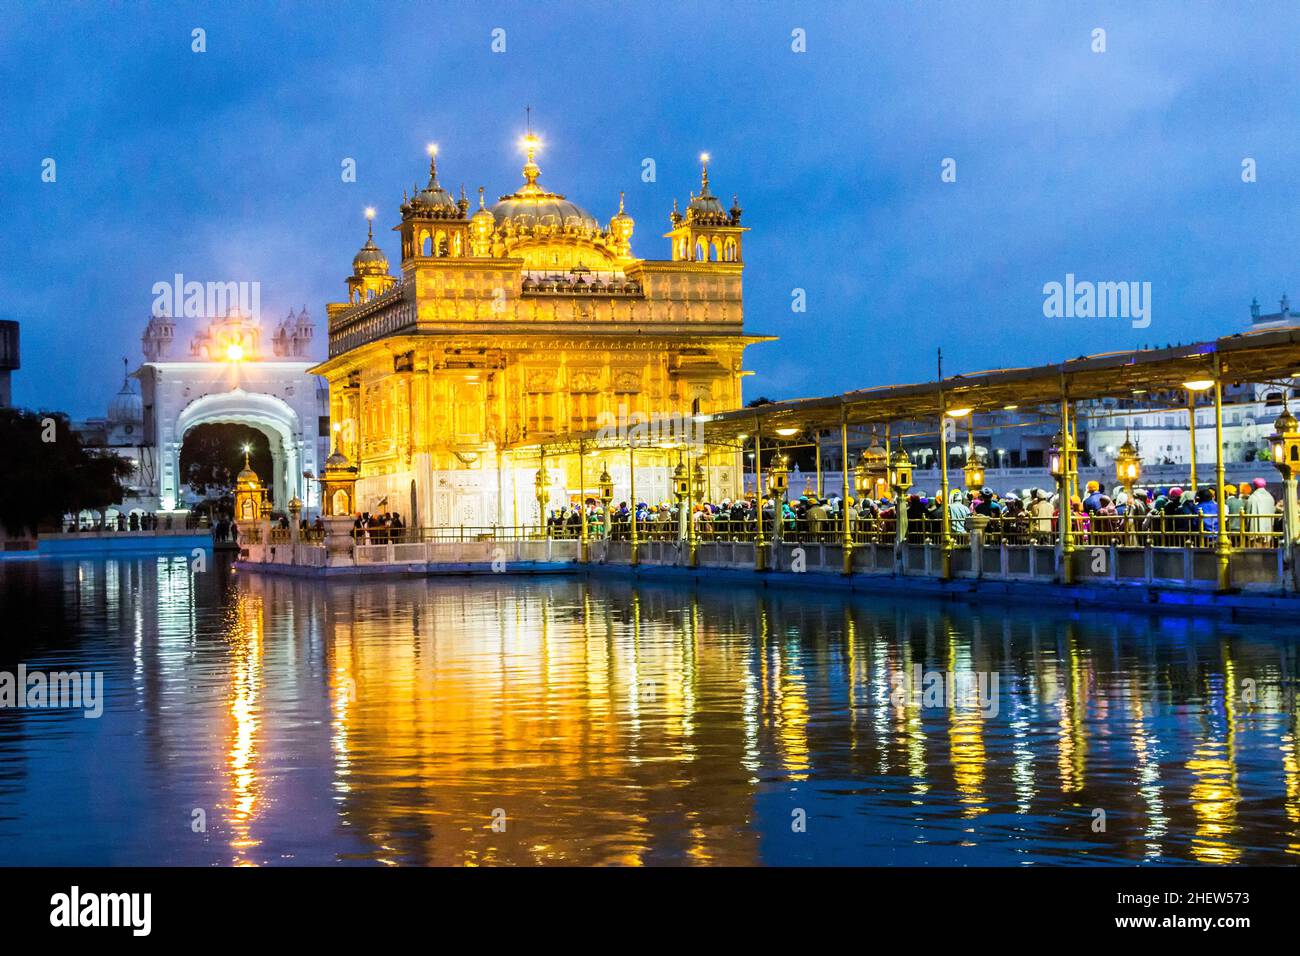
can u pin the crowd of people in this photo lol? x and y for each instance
(1162, 516)
(387, 527)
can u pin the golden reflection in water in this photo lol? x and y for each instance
(1213, 766)
(1291, 776)
(965, 731)
(245, 640)
(640, 727)
(1072, 731)
(580, 729)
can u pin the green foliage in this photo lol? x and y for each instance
(41, 481)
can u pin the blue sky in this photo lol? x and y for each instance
(1115, 166)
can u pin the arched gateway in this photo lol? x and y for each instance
(227, 377)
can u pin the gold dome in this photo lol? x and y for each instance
(433, 201)
(370, 260)
(246, 474)
(531, 206)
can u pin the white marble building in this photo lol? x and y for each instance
(228, 374)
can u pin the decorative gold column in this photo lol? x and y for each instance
(760, 545)
(945, 539)
(631, 493)
(817, 437)
(846, 538)
(1191, 423)
(1222, 546)
(582, 501)
(1065, 513)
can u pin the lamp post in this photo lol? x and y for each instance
(542, 492)
(1058, 463)
(295, 509)
(682, 492)
(973, 470)
(606, 490)
(778, 484)
(900, 479)
(1193, 388)
(582, 503)
(1285, 445)
(1128, 469)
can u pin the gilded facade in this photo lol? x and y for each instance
(514, 322)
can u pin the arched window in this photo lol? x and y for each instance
(700, 254)
(426, 245)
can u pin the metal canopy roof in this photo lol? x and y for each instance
(1243, 357)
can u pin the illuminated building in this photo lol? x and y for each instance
(520, 320)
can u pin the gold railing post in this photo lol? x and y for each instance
(760, 545)
(692, 556)
(1191, 421)
(582, 501)
(631, 493)
(846, 540)
(1065, 510)
(945, 535)
(1222, 546)
(817, 437)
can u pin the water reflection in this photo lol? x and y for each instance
(499, 721)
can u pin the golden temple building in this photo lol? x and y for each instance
(521, 321)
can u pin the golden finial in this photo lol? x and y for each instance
(370, 218)
(704, 174)
(432, 150)
(620, 202)
(480, 198)
(530, 144)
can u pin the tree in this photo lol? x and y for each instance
(46, 472)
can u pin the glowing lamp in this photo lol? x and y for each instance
(900, 472)
(606, 486)
(1285, 444)
(778, 479)
(1128, 464)
(698, 478)
(234, 352)
(681, 483)
(973, 471)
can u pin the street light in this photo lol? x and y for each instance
(1128, 465)
(542, 492)
(699, 479)
(778, 477)
(1058, 457)
(871, 476)
(900, 472)
(1285, 442)
(605, 486)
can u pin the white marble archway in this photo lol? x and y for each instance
(269, 415)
